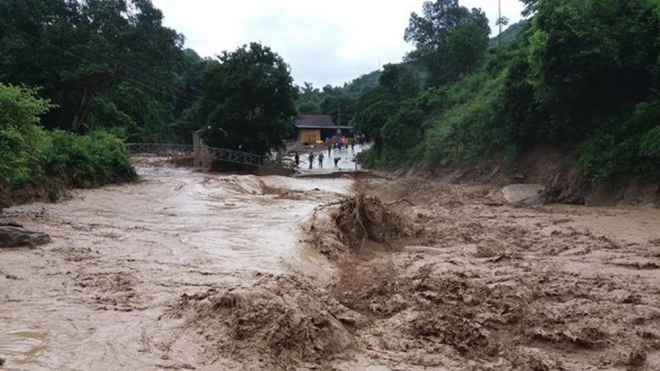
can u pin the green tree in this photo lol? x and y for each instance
(449, 39)
(133, 113)
(590, 60)
(529, 7)
(501, 21)
(309, 108)
(401, 80)
(20, 134)
(466, 48)
(372, 111)
(187, 78)
(247, 101)
(339, 105)
(336, 101)
(358, 87)
(77, 50)
(309, 99)
(403, 130)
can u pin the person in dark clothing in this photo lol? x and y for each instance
(337, 161)
(311, 159)
(297, 159)
(320, 156)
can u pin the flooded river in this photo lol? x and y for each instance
(191, 271)
(92, 299)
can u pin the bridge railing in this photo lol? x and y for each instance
(235, 156)
(202, 152)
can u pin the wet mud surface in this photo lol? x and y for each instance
(220, 272)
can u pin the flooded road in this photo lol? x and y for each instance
(121, 254)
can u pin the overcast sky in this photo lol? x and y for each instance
(324, 42)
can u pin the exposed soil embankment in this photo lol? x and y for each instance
(557, 171)
(54, 189)
(50, 190)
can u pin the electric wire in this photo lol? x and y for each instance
(147, 86)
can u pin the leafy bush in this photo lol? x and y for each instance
(629, 144)
(469, 129)
(95, 159)
(20, 135)
(29, 154)
(403, 130)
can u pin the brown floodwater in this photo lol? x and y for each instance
(95, 297)
(184, 270)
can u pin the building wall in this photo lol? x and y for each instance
(309, 135)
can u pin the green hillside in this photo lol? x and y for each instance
(580, 77)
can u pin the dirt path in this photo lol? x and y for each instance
(191, 271)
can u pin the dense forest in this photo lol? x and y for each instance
(112, 65)
(106, 64)
(579, 75)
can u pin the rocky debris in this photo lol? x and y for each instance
(564, 195)
(359, 223)
(531, 194)
(637, 358)
(14, 235)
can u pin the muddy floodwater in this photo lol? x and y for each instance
(193, 271)
(91, 300)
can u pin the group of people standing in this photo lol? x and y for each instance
(343, 142)
(320, 156)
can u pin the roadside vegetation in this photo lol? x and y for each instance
(33, 156)
(578, 76)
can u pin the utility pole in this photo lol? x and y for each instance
(499, 20)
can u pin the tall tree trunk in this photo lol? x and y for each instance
(82, 111)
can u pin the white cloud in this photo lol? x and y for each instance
(324, 42)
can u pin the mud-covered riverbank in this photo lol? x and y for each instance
(220, 272)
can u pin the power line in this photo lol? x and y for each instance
(71, 54)
(136, 71)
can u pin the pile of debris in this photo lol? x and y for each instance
(361, 218)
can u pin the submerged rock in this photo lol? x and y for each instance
(16, 236)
